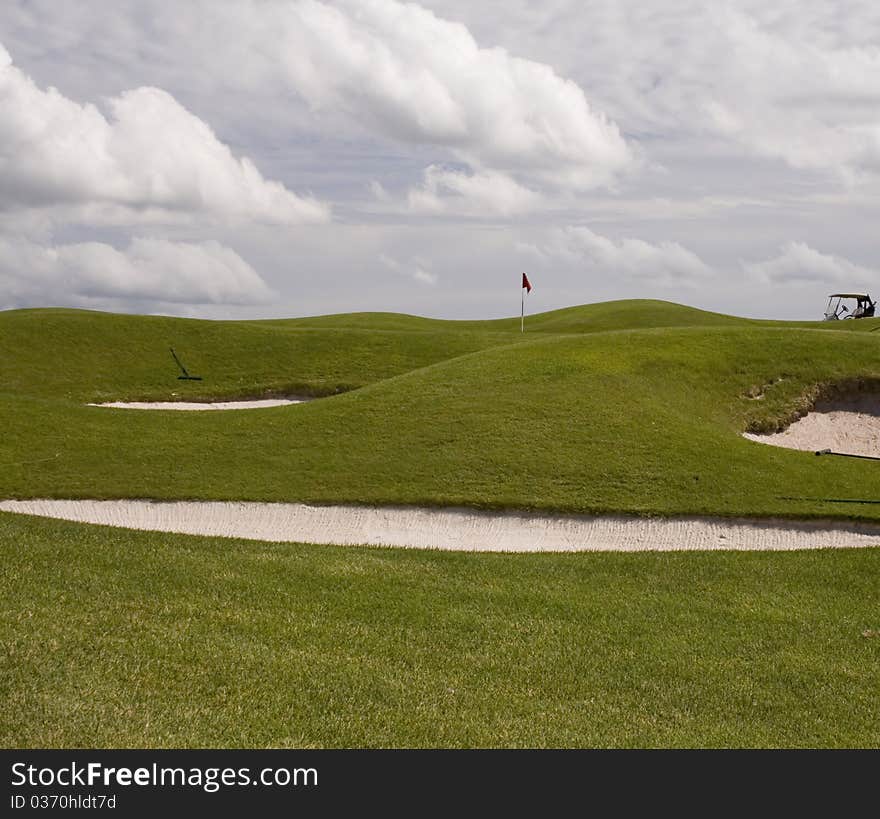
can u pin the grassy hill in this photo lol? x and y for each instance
(612, 415)
(116, 638)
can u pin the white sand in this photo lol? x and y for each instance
(851, 426)
(455, 529)
(201, 405)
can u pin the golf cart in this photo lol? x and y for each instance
(864, 307)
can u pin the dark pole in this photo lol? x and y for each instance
(847, 455)
(182, 368)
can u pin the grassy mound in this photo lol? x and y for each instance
(625, 418)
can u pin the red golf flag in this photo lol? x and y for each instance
(526, 283)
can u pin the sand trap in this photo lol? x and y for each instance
(851, 426)
(201, 405)
(454, 529)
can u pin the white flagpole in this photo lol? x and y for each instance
(522, 314)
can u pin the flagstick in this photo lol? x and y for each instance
(522, 314)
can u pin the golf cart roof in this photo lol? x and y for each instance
(849, 296)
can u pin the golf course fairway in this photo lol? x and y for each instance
(116, 638)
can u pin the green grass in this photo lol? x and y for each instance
(122, 639)
(638, 419)
(75, 356)
(115, 638)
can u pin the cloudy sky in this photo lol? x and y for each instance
(295, 157)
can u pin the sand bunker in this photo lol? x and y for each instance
(202, 405)
(454, 529)
(847, 425)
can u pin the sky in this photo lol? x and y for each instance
(266, 158)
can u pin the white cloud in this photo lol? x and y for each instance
(797, 262)
(415, 269)
(793, 80)
(425, 276)
(148, 270)
(378, 191)
(148, 153)
(666, 263)
(789, 93)
(418, 78)
(480, 193)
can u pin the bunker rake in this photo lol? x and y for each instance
(185, 376)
